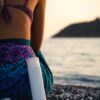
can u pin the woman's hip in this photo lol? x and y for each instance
(12, 52)
(13, 68)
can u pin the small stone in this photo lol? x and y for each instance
(61, 92)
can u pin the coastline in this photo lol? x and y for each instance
(72, 92)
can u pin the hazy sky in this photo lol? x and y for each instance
(60, 13)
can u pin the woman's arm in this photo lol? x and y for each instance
(37, 29)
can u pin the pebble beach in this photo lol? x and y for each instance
(68, 92)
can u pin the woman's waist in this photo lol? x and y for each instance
(16, 41)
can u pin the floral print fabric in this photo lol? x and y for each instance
(14, 81)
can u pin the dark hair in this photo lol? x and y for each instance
(1, 5)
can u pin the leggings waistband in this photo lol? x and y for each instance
(16, 41)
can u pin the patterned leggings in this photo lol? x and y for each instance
(14, 80)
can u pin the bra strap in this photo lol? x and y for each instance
(6, 15)
(26, 10)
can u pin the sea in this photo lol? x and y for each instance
(73, 61)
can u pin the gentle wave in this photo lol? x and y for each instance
(74, 60)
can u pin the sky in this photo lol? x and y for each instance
(61, 13)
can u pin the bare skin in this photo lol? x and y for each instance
(20, 26)
(38, 25)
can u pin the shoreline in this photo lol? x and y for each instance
(73, 92)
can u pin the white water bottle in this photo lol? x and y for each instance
(36, 80)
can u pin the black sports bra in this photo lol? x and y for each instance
(6, 15)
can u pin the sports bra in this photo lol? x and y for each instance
(5, 12)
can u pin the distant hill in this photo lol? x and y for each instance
(86, 29)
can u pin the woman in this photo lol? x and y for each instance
(21, 35)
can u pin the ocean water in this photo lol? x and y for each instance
(74, 61)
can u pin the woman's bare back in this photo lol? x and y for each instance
(20, 25)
